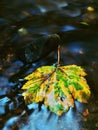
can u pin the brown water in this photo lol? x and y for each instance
(30, 31)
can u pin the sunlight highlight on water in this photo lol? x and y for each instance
(67, 28)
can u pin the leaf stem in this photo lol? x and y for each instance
(59, 47)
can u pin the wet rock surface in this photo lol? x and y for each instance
(30, 32)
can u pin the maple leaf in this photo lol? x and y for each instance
(57, 86)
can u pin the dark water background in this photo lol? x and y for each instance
(30, 31)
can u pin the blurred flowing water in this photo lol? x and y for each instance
(30, 31)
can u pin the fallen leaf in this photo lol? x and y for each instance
(86, 112)
(57, 86)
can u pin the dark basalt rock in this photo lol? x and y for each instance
(38, 48)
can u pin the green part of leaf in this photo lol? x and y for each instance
(59, 107)
(63, 78)
(34, 88)
(77, 86)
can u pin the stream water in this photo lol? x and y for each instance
(30, 31)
